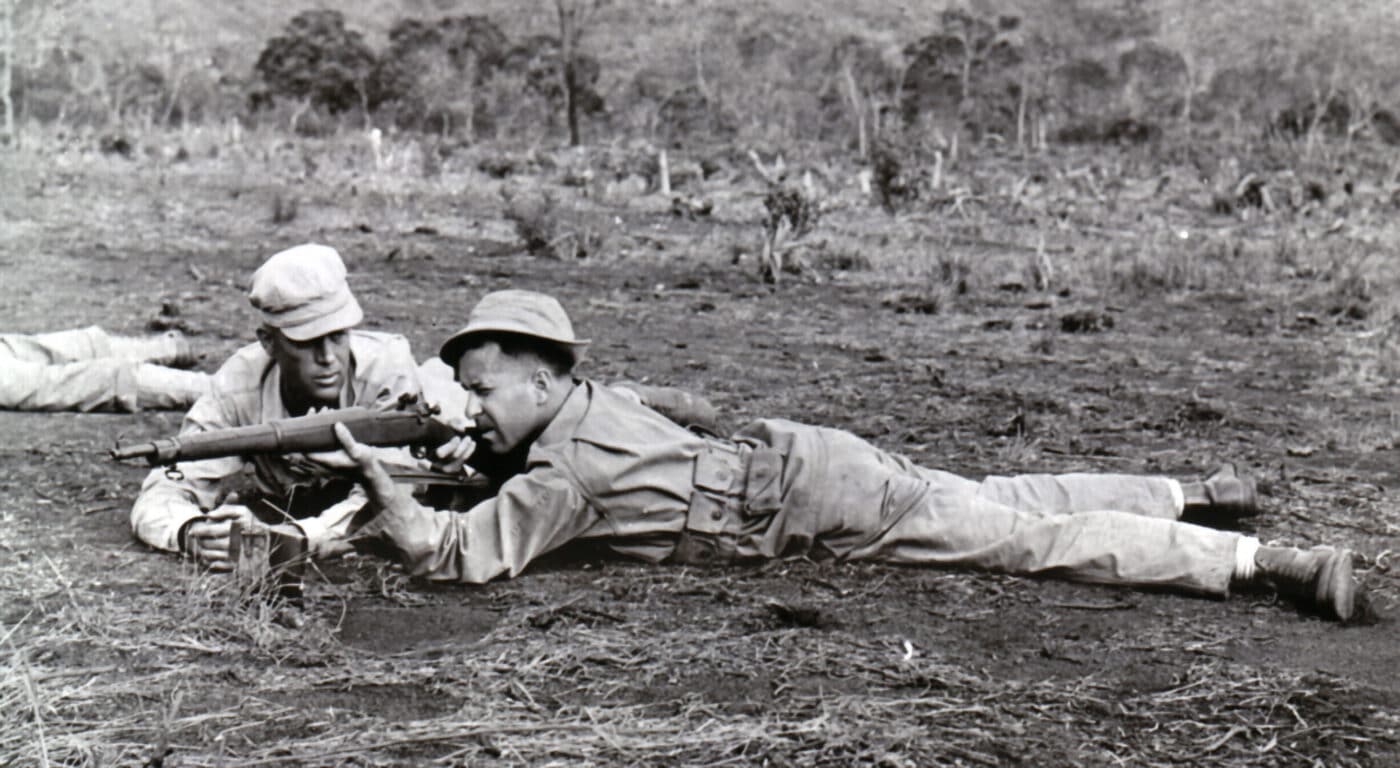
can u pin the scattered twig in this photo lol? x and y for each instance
(38, 716)
(1083, 606)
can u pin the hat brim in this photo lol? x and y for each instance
(342, 319)
(451, 350)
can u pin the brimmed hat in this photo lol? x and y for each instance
(522, 312)
(302, 292)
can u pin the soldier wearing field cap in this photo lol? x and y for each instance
(309, 355)
(601, 467)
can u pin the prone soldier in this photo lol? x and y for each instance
(88, 369)
(309, 356)
(600, 467)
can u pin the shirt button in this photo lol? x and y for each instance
(717, 514)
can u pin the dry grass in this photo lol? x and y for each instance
(567, 680)
(113, 655)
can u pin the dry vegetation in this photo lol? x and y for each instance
(976, 299)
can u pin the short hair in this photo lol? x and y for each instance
(560, 359)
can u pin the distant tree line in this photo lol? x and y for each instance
(1021, 73)
(433, 75)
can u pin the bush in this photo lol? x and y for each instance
(968, 69)
(428, 79)
(688, 112)
(66, 85)
(548, 230)
(539, 59)
(319, 60)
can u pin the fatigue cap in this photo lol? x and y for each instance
(526, 313)
(302, 292)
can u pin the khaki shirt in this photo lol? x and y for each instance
(606, 467)
(610, 469)
(247, 391)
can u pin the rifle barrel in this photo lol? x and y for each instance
(315, 432)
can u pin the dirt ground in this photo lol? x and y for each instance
(118, 655)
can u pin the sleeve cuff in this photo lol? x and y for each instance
(394, 520)
(313, 529)
(180, 536)
(166, 535)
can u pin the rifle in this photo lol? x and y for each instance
(411, 424)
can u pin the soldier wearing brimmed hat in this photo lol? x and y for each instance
(599, 466)
(309, 355)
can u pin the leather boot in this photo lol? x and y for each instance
(1320, 578)
(1225, 496)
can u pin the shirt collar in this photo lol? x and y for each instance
(565, 423)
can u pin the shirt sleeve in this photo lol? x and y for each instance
(333, 523)
(678, 405)
(169, 499)
(533, 514)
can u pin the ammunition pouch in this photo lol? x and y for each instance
(736, 489)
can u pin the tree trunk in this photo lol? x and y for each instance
(571, 101)
(1021, 118)
(1186, 99)
(469, 107)
(568, 39)
(853, 97)
(7, 63)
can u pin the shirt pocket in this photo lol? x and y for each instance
(717, 490)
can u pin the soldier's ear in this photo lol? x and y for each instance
(266, 339)
(541, 384)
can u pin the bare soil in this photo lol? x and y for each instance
(120, 655)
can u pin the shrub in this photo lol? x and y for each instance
(689, 112)
(318, 59)
(429, 76)
(549, 230)
(968, 70)
(540, 60)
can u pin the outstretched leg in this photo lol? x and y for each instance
(1221, 498)
(106, 384)
(59, 347)
(92, 343)
(923, 524)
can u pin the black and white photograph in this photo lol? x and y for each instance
(699, 383)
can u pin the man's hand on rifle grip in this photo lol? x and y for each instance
(451, 457)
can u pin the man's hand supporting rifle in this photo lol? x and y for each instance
(412, 424)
